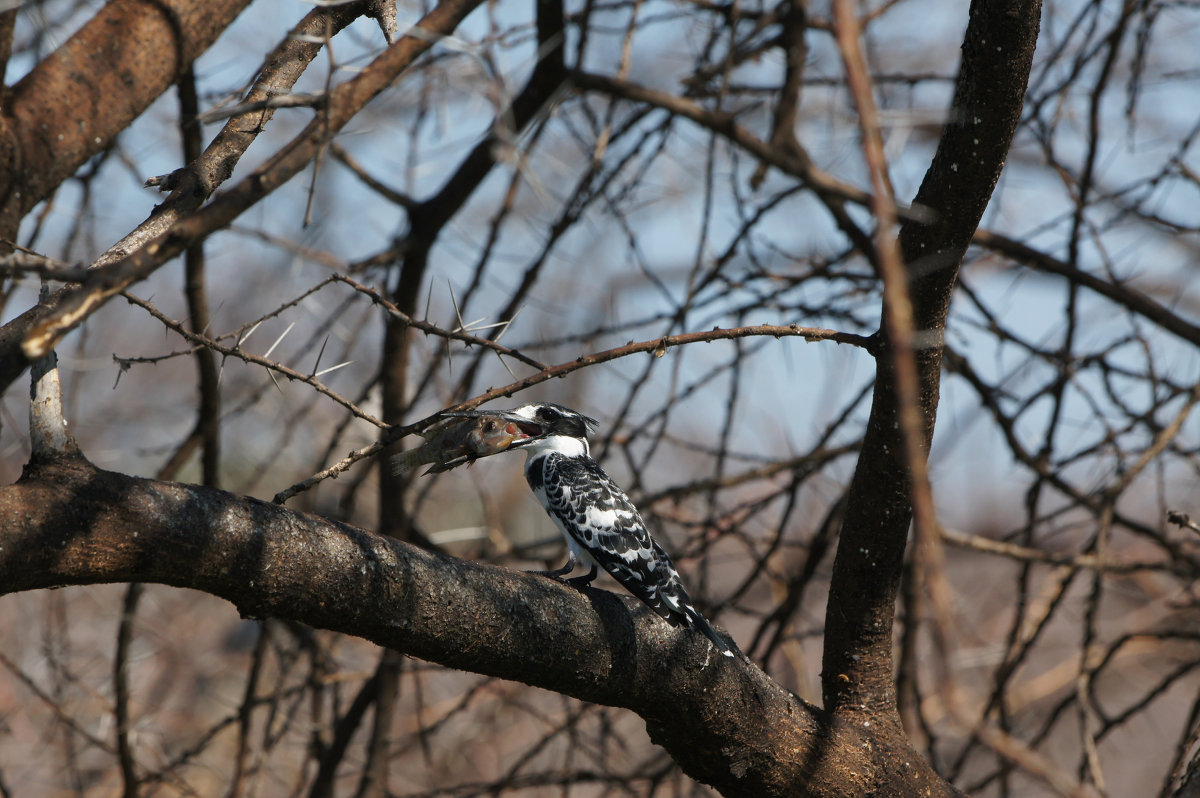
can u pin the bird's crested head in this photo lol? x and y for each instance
(544, 419)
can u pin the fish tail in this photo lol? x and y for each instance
(413, 458)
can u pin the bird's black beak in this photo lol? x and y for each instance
(530, 429)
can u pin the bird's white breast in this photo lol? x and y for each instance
(565, 445)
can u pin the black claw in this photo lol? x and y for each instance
(583, 581)
(558, 573)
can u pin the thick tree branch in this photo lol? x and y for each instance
(857, 671)
(203, 172)
(725, 721)
(102, 79)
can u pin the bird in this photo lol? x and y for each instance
(602, 526)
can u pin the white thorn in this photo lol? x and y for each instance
(246, 335)
(333, 368)
(279, 340)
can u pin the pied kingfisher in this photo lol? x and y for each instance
(600, 523)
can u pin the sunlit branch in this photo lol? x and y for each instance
(344, 103)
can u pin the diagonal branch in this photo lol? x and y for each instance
(1118, 292)
(36, 334)
(194, 183)
(102, 78)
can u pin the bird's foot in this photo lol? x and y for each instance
(557, 574)
(582, 581)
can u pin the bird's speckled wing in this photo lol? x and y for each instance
(589, 507)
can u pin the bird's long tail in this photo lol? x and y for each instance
(700, 622)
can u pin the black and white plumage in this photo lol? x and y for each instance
(601, 525)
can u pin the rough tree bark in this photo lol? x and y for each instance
(726, 722)
(101, 79)
(857, 672)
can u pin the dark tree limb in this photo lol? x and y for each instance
(857, 672)
(8, 23)
(427, 219)
(727, 724)
(124, 723)
(426, 222)
(1119, 293)
(343, 731)
(208, 411)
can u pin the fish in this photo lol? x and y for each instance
(455, 441)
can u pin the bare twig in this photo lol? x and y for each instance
(129, 774)
(271, 366)
(658, 347)
(459, 334)
(1182, 520)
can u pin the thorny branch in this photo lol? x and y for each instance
(236, 351)
(657, 347)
